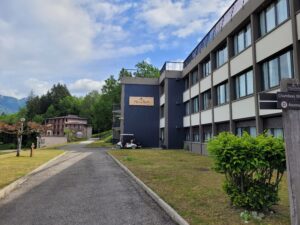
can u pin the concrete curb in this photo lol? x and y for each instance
(165, 206)
(9, 188)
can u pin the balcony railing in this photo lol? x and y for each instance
(216, 29)
(116, 124)
(116, 107)
(172, 66)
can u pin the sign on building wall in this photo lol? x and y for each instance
(142, 101)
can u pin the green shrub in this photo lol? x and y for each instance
(8, 146)
(103, 134)
(253, 168)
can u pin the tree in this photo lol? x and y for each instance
(145, 69)
(69, 105)
(58, 92)
(51, 112)
(124, 73)
(32, 106)
(87, 108)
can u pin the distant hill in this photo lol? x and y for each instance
(10, 105)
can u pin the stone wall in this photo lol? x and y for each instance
(49, 141)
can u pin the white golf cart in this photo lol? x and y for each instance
(127, 141)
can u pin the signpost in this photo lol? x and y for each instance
(290, 104)
(289, 101)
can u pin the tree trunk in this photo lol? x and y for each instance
(19, 147)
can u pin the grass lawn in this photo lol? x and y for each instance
(100, 144)
(104, 142)
(187, 182)
(12, 167)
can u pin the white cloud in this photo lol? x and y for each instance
(20, 88)
(148, 60)
(58, 36)
(190, 28)
(43, 42)
(83, 86)
(108, 10)
(182, 17)
(39, 87)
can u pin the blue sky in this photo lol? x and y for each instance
(82, 42)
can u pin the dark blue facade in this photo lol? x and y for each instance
(142, 121)
(175, 124)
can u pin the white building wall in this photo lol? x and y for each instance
(205, 84)
(195, 119)
(221, 113)
(186, 95)
(275, 41)
(162, 123)
(195, 90)
(243, 108)
(241, 62)
(206, 117)
(162, 99)
(51, 141)
(186, 121)
(220, 74)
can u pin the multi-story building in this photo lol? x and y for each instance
(250, 49)
(74, 123)
(116, 122)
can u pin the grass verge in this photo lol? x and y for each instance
(186, 182)
(105, 142)
(13, 167)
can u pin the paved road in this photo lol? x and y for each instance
(83, 187)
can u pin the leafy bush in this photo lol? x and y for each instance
(253, 168)
(8, 146)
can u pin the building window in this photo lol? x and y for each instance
(244, 84)
(207, 135)
(242, 40)
(273, 15)
(186, 83)
(194, 77)
(195, 106)
(276, 132)
(221, 56)
(249, 130)
(222, 93)
(276, 69)
(206, 68)
(206, 100)
(187, 134)
(187, 108)
(196, 136)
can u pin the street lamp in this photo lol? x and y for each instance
(22, 120)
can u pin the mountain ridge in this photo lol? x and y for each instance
(9, 105)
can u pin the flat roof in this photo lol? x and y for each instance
(140, 80)
(68, 117)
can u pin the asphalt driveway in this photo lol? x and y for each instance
(84, 186)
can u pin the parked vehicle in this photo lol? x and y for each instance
(128, 141)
